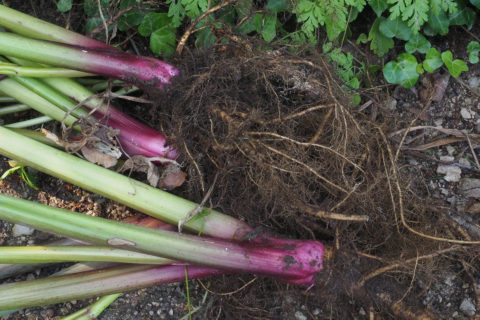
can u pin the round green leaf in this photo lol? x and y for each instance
(64, 5)
(473, 50)
(378, 6)
(269, 31)
(395, 28)
(417, 43)
(439, 23)
(162, 41)
(433, 60)
(153, 21)
(403, 71)
(455, 67)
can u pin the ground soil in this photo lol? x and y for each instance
(426, 279)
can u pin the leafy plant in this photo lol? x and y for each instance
(27, 174)
(404, 71)
(473, 50)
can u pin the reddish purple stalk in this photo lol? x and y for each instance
(135, 137)
(142, 71)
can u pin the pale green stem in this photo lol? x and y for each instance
(36, 135)
(29, 122)
(52, 95)
(29, 26)
(55, 254)
(93, 310)
(26, 96)
(135, 194)
(11, 69)
(6, 99)
(13, 108)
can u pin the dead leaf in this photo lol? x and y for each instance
(94, 155)
(172, 177)
(142, 164)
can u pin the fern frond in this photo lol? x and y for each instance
(415, 12)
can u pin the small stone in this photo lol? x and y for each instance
(470, 187)
(170, 312)
(465, 162)
(467, 307)
(455, 314)
(452, 173)
(466, 114)
(362, 312)
(474, 82)
(451, 150)
(20, 230)
(300, 316)
(316, 312)
(449, 281)
(150, 312)
(392, 104)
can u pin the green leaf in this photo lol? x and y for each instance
(362, 38)
(439, 23)
(205, 38)
(455, 67)
(269, 31)
(162, 41)
(464, 16)
(395, 28)
(433, 60)
(277, 5)
(90, 7)
(380, 44)
(92, 23)
(417, 43)
(64, 5)
(476, 3)
(378, 6)
(153, 21)
(473, 50)
(403, 71)
(130, 19)
(415, 12)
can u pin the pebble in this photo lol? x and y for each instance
(466, 114)
(300, 316)
(19, 230)
(170, 312)
(452, 173)
(467, 307)
(474, 82)
(470, 187)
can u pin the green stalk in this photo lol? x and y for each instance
(289, 260)
(27, 25)
(137, 195)
(29, 122)
(26, 96)
(36, 135)
(11, 69)
(93, 310)
(91, 284)
(52, 95)
(6, 99)
(54, 254)
(13, 108)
